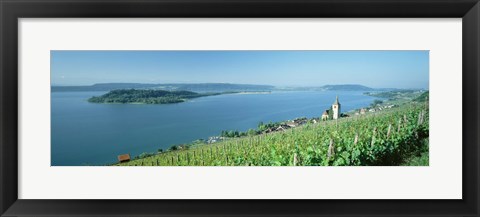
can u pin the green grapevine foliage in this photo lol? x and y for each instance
(383, 138)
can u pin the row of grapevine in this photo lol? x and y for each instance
(385, 138)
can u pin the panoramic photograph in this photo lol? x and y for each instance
(240, 108)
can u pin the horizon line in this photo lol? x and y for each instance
(322, 85)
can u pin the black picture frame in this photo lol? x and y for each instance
(12, 10)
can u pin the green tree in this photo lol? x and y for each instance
(376, 102)
(251, 132)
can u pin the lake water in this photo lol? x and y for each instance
(84, 133)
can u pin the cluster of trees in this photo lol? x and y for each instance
(262, 126)
(146, 96)
(232, 133)
(376, 102)
(182, 146)
(251, 132)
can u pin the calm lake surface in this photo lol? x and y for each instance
(84, 133)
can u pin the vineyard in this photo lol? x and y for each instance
(382, 138)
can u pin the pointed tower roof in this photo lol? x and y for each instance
(336, 101)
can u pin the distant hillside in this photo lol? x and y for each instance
(423, 97)
(217, 87)
(331, 87)
(415, 95)
(213, 87)
(103, 87)
(199, 87)
(347, 87)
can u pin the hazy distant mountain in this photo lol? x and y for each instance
(347, 87)
(214, 87)
(336, 87)
(200, 87)
(102, 87)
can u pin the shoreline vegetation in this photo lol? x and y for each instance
(394, 132)
(141, 96)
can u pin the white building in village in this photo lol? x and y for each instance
(325, 115)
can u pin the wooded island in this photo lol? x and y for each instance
(134, 96)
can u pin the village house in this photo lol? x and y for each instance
(281, 128)
(123, 158)
(214, 139)
(363, 111)
(325, 115)
(300, 121)
(291, 124)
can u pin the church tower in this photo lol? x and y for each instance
(336, 109)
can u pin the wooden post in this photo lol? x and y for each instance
(419, 120)
(423, 116)
(426, 103)
(331, 149)
(389, 130)
(373, 136)
(294, 159)
(356, 139)
(399, 125)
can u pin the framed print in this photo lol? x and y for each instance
(224, 136)
(233, 108)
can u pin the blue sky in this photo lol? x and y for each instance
(396, 69)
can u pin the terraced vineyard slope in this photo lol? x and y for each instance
(383, 138)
